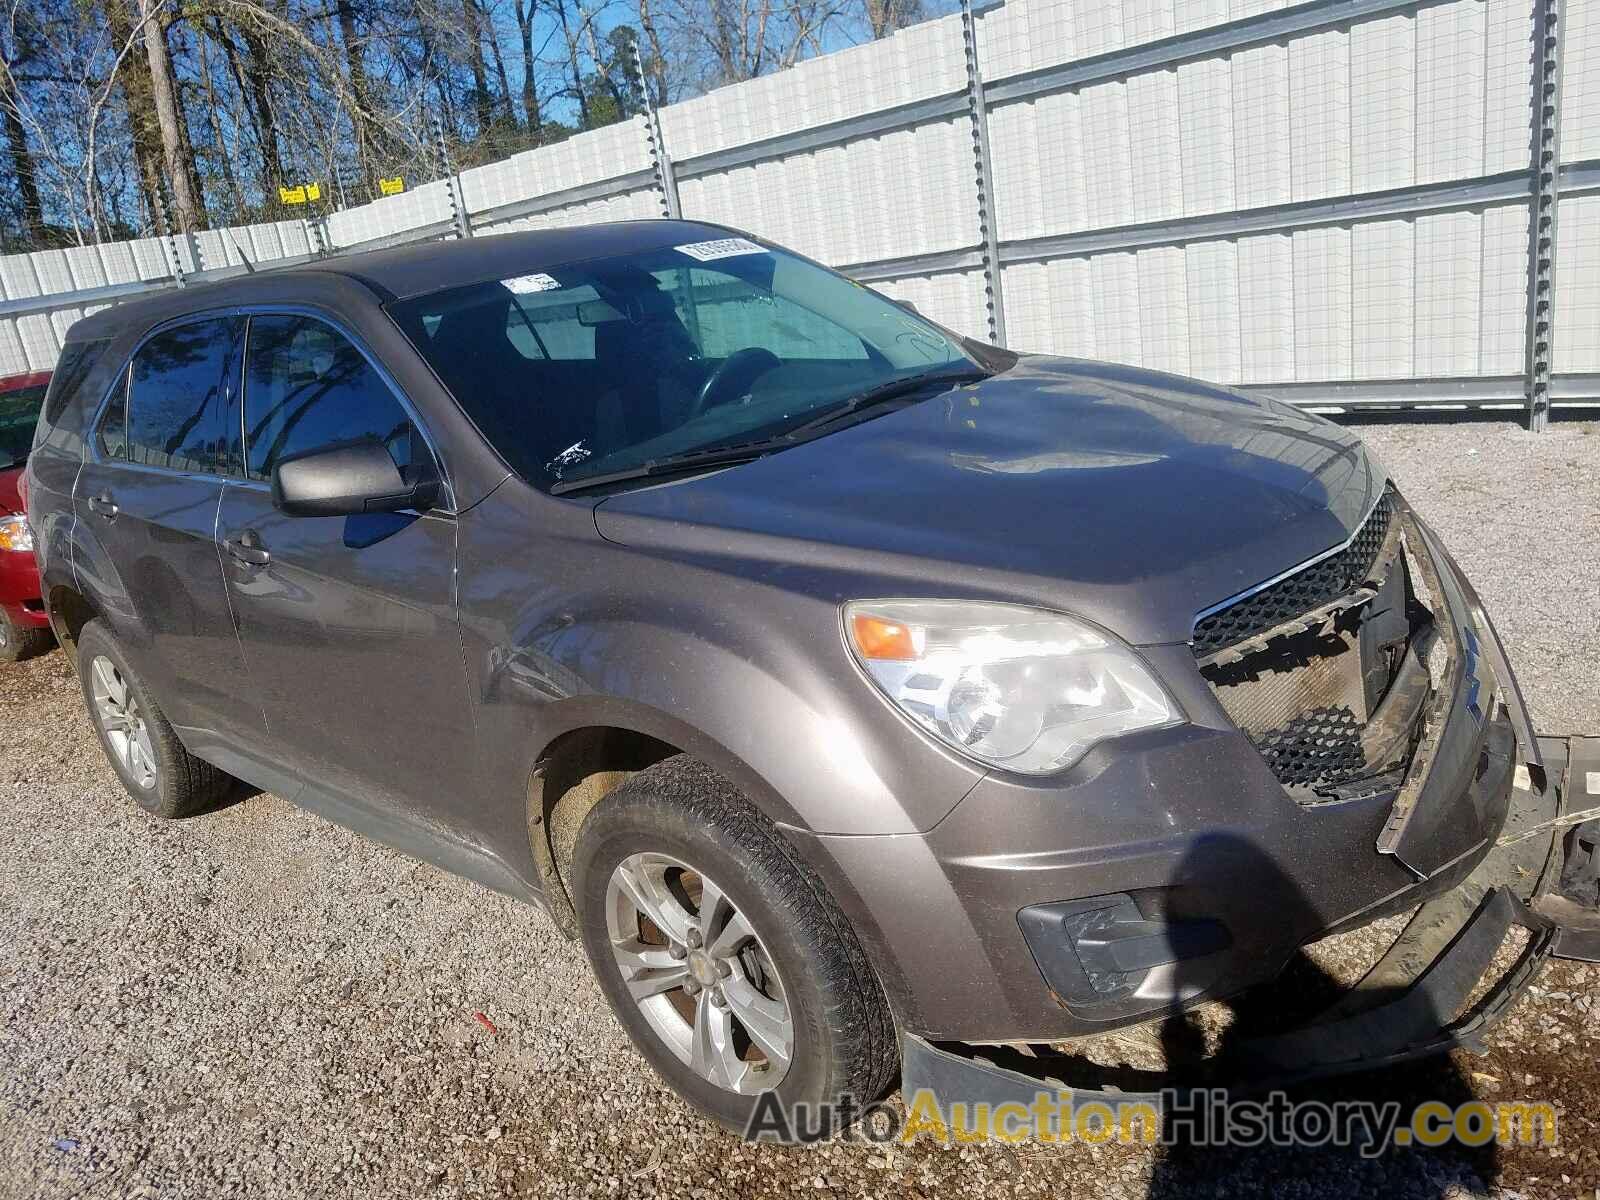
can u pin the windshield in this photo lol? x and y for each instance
(19, 414)
(608, 364)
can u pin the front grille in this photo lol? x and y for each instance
(1316, 748)
(1319, 584)
(1311, 659)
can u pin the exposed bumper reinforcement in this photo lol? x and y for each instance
(1420, 999)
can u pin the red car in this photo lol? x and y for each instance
(24, 627)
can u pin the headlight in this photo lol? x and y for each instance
(1014, 687)
(15, 534)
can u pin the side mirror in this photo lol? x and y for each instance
(344, 480)
(909, 307)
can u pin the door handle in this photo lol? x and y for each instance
(103, 505)
(247, 548)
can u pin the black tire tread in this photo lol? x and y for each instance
(868, 1064)
(186, 786)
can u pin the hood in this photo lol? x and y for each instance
(1138, 499)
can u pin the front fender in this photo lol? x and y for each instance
(810, 747)
(563, 630)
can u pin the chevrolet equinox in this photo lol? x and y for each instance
(845, 685)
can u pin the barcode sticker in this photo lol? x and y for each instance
(522, 285)
(720, 248)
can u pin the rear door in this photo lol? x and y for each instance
(148, 492)
(347, 623)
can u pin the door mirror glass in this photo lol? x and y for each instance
(341, 481)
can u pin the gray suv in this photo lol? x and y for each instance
(854, 691)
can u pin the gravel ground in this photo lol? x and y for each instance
(259, 1003)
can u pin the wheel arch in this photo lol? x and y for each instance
(599, 743)
(603, 744)
(69, 611)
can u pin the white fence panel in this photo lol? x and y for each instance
(1318, 193)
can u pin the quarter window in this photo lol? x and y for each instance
(307, 387)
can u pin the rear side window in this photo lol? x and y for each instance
(177, 398)
(307, 387)
(72, 368)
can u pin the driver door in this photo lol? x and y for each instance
(347, 624)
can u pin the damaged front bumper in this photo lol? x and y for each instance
(1431, 992)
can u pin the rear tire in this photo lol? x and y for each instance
(18, 642)
(786, 955)
(163, 778)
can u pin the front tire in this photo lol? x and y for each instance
(721, 951)
(163, 778)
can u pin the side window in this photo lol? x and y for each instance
(176, 396)
(114, 424)
(76, 361)
(307, 387)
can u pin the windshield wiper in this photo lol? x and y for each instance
(740, 452)
(891, 389)
(671, 464)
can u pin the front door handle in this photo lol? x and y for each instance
(247, 548)
(103, 505)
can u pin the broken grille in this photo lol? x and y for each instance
(1322, 746)
(1319, 584)
(1306, 668)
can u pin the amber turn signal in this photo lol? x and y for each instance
(881, 638)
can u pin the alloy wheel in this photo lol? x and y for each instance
(699, 973)
(117, 710)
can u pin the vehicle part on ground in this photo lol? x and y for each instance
(1431, 992)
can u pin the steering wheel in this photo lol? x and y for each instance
(735, 373)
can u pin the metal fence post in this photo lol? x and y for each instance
(316, 236)
(164, 212)
(993, 296)
(660, 162)
(1548, 43)
(452, 182)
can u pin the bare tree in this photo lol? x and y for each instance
(883, 17)
(103, 103)
(19, 46)
(187, 205)
(524, 11)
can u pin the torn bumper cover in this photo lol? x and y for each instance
(1426, 995)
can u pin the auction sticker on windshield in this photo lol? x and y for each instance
(720, 248)
(522, 285)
